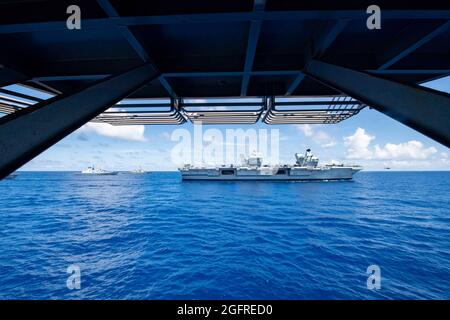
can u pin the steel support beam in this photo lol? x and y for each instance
(252, 43)
(9, 76)
(317, 46)
(213, 74)
(167, 86)
(401, 50)
(255, 30)
(423, 109)
(295, 83)
(30, 131)
(432, 72)
(321, 14)
(134, 42)
(71, 77)
(325, 38)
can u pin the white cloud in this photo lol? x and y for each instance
(409, 150)
(306, 129)
(358, 145)
(130, 133)
(408, 155)
(318, 136)
(445, 159)
(408, 164)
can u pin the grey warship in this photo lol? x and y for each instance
(306, 168)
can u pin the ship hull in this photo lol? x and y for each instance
(100, 174)
(256, 178)
(290, 174)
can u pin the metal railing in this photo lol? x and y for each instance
(311, 110)
(234, 110)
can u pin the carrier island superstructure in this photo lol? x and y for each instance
(306, 168)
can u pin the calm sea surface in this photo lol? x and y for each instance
(155, 237)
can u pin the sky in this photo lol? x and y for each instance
(370, 139)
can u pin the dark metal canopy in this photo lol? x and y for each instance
(216, 62)
(218, 48)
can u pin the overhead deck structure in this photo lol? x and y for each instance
(157, 62)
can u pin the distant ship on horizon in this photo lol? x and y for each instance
(97, 171)
(139, 171)
(306, 168)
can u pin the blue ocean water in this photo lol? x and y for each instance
(155, 237)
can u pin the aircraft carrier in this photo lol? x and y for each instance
(306, 168)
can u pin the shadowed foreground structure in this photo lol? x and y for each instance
(251, 60)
